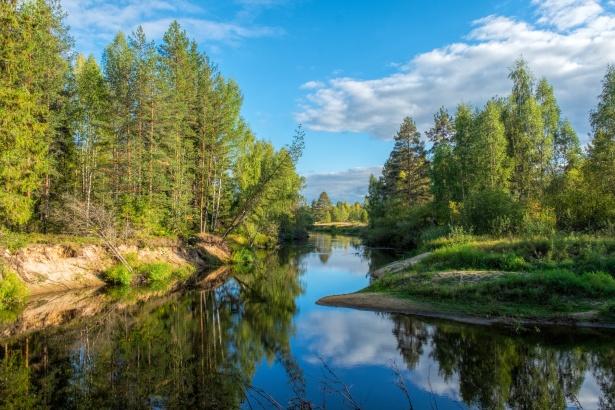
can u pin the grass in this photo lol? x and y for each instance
(538, 277)
(13, 241)
(154, 273)
(579, 254)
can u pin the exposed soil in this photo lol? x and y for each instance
(53, 268)
(387, 303)
(399, 266)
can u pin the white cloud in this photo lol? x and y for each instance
(350, 185)
(565, 14)
(95, 22)
(570, 43)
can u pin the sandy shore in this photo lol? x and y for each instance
(386, 303)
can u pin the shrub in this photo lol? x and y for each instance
(243, 256)
(13, 291)
(491, 211)
(118, 275)
(157, 271)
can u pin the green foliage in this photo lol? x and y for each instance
(554, 288)
(492, 211)
(243, 256)
(118, 275)
(580, 254)
(153, 136)
(512, 167)
(13, 291)
(157, 271)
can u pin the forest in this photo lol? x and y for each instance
(512, 167)
(151, 138)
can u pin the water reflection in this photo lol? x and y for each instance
(256, 339)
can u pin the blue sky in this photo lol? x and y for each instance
(350, 70)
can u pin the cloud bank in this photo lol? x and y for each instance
(350, 185)
(570, 42)
(95, 22)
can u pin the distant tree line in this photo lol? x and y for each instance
(323, 210)
(153, 134)
(513, 166)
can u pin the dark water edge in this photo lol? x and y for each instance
(258, 340)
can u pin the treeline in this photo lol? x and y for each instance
(514, 166)
(323, 210)
(154, 135)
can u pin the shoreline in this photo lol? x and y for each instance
(380, 302)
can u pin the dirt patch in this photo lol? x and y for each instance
(399, 266)
(387, 303)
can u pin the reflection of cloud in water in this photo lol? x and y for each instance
(349, 338)
(339, 262)
(589, 396)
(426, 376)
(352, 338)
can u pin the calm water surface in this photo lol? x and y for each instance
(258, 340)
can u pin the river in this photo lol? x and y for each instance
(258, 340)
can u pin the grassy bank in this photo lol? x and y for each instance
(340, 228)
(563, 276)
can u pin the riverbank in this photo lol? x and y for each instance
(43, 264)
(561, 280)
(340, 228)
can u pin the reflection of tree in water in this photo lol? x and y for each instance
(604, 372)
(324, 244)
(498, 370)
(198, 350)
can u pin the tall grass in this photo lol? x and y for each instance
(579, 254)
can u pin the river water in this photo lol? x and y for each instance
(258, 340)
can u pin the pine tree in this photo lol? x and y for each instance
(321, 207)
(180, 66)
(23, 120)
(119, 69)
(406, 172)
(92, 136)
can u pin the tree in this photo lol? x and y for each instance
(525, 132)
(180, 66)
(490, 152)
(463, 151)
(92, 132)
(321, 207)
(23, 120)
(406, 172)
(601, 151)
(550, 125)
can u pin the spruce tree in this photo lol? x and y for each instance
(406, 172)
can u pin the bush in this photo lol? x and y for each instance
(118, 275)
(156, 272)
(491, 212)
(243, 256)
(13, 291)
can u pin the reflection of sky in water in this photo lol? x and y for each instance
(361, 346)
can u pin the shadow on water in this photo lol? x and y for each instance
(253, 338)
